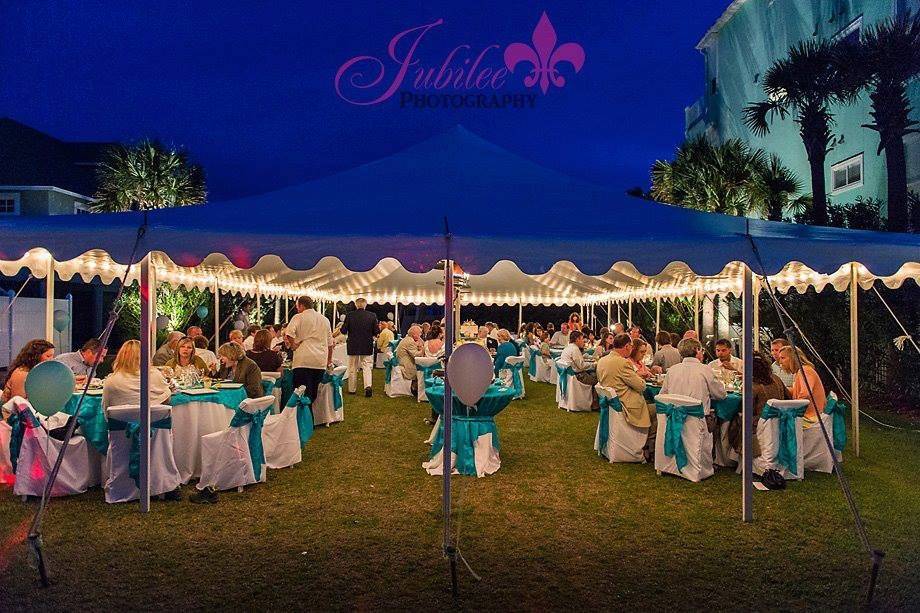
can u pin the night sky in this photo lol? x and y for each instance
(249, 88)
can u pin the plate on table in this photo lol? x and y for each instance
(228, 386)
(196, 391)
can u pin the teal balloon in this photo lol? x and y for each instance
(49, 386)
(10, 293)
(60, 320)
(202, 312)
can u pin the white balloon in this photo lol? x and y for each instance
(390, 316)
(341, 318)
(470, 372)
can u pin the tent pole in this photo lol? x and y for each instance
(747, 491)
(581, 311)
(216, 315)
(629, 319)
(854, 354)
(756, 313)
(277, 310)
(396, 317)
(520, 317)
(446, 451)
(657, 316)
(258, 312)
(49, 301)
(148, 289)
(335, 312)
(696, 313)
(286, 301)
(608, 314)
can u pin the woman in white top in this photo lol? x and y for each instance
(123, 386)
(434, 343)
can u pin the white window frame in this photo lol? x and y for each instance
(81, 207)
(843, 165)
(16, 203)
(848, 29)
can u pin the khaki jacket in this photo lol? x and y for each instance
(617, 373)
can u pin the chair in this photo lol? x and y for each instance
(38, 452)
(122, 462)
(425, 368)
(779, 433)
(816, 455)
(725, 455)
(301, 404)
(571, 394)
(7, 475)
(328, 407)
(683, 446)
(274, 389)
(281, 438)
(395, 384)
(513, 375)
(379, 359)
(616, 439)
(234, 458)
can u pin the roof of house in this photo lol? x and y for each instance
(31, 157)
(713, 32)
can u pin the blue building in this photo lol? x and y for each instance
(742, 45)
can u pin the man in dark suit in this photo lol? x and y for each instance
(360, 325)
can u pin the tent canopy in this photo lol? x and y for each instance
(377, 231)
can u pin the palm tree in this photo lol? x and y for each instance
(806, 84)
(886, 58)
(147, 176)
(776, 189)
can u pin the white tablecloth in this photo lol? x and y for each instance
(191, 421)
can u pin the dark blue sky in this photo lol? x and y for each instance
(248, 88)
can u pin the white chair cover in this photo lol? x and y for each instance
(624, 440)
(725, 454)
(578, 396)
(380, 359)
(815, 452)
(398, 386)
(281, 439)
(6, 467)
(324, 411)
(768, 437)
(696, 438)
(506, 374)
(419, 362)
(340, 355)
(164, 476)
(551, 374)
(225, 459)
(276, 391)
(79, 471)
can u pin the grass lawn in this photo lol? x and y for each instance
(357, 525)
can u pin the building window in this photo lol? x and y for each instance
(9, 204)
(81, 208)
(847, 174)
(851, 32)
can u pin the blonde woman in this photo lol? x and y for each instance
(123, 386)
(236, 367)
(185, 358)
(790, 360)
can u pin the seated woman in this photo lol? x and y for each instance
(236, 367)
(574, 322)
(767, 386)
(794, 362)
(32, 353)
(545, 347)
(434, 343)
(640, 348)
(207, 356)
(262, 354)
(186, 360)
(506, 349)
(123, 386)
(604, 345)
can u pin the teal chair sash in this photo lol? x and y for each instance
(428, 371)
(389, 365)
(304, 416)
(673, 434)
(788, 444)
(336, 382)
(607, 404)
(132, 430)
(464, 433)
(241, 418)
(268, 387)
(517, 378)
(564, 372)
(19, 422)
(532, 367)
(837, 410)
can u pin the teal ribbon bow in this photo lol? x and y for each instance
(132, 430)
(564, 372)
(517, 378)
(389, 365)
(532, 368)
(267, 387)
(465, 431)
(336, 382)
(304, 416)
(788, 444)
(607, 404)
(241, 418)
(837, 410)
(428, 372)
(19, 422)
(673, 434)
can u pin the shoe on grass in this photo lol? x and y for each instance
(368, 392)
(206, 496)
(173, 496)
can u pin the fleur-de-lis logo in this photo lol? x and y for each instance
(544, 56)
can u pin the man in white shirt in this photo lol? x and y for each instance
(81, 362)
(561, 337)
(572, 354)
(693, 378)
(775, 347)
(309, 334)
(249, 341)
(724, 358)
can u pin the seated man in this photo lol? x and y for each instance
(667, 354)
(693, 378)
(572, 355)
(724, 358)
(167, 350)
(615, 370)
(561, 337)
(81, 362)
(407, 350)
(776, 347)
